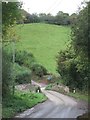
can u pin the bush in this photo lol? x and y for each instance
(73, 71)
(23, 78)
(22, 74)
(38, 70)
(6, 73)
(24, 58)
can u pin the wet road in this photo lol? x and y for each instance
(57, 106)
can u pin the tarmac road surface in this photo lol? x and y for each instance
(57, 106)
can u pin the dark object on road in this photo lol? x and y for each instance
(57, 83)
(38, 89)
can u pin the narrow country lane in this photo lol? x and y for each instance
(57, 106)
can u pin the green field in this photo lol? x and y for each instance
(44, 41)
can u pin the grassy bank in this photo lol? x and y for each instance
(20, 102)
(44, 41)
(77, 95)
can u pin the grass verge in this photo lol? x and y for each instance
(77, 95)
(48, 87)
(20, 102)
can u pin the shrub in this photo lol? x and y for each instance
(24, 77)
(73, 71)
(39, 70)
(22, 74)
(24, 58)
(6, 73)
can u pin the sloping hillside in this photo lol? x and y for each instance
(44, 41)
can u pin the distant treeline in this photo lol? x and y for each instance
(60, 18)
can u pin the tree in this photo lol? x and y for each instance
(25, 17)
(38, 70)
(67, 68)
(34, 18)
(50, 19)
(24, 58)
(62, 18)
(72, 18)
(80, 42)
(10, 14)
(73, 64)
(80, 33)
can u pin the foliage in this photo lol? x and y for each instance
(10, 14)
(22, 74)
(25, 17)
(80, 37)
(17, 71)
(6, 73)
(66, 67)
(60, 19)
(20, 102)
(33, 18)
(80, 33)
(73, 18)
(73, 65)
(24, 58)
(72, 70)
(39, 70)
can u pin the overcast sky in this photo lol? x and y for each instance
(51, 6)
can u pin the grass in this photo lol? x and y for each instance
(20, 102)
(77, 95)
(44, 41)
(48, 87)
